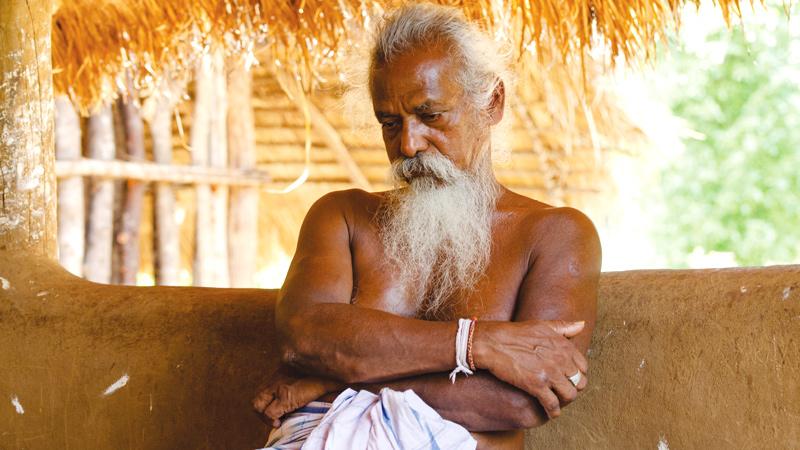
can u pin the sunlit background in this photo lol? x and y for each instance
(720, 186)
(693, 165)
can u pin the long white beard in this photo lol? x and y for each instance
(436, 228)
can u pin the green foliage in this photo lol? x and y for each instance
(736, 186)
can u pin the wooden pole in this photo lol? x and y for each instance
(243, 213)
(100, 138)
(218, 157)
(199, 144)
(71, 205)
(27, 180)
(163, 173)
(165, 237)
(209, 148)
(126, 240)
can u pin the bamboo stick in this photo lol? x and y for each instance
(161, 173)
(165, 237)
(243, 212)
(71, 207)
(126, 240)
(218, 157)
(97, 261)
(209, 149)
(199, 144)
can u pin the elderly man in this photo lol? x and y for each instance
(450, 272)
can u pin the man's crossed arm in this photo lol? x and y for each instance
(525, 363)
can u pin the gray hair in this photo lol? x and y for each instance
(482, 61)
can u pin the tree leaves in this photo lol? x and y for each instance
(737, 189)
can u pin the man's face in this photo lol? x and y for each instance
(422, 109)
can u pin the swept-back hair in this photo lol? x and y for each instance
(482, 62)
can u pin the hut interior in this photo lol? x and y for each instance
(304, 140)
(101, 105)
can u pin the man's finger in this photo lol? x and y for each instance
(275, 410)
(564, 389)
(567, 329)
(263, 399)
(581, 362)
(549, 402)
(583, 383)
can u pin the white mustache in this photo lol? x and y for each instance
(434, 165)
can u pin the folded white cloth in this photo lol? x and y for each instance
(390, 420)
(295, 427)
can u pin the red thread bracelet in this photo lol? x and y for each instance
(469, 343)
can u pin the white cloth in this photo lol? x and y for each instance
(389, 421)
(296, 427)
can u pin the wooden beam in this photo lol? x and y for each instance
(27, 184)
(71, 204)
(99, 231)
(126, 239)
(219, 275)
(201, 110)
(166, 240)
(243, 212)
(209, 150)
(331, 138)
(161, 173)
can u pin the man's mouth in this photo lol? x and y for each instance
(417, 171)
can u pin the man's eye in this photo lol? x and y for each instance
(431, 117)
(389, 124)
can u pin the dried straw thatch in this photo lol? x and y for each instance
(94, 41)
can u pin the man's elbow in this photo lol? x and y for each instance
(529, 419)
(528, 413)
(299, 351)
(295, 343)
(316, 365)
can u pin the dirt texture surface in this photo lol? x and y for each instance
(689, 359)
(192, 358)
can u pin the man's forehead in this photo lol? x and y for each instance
(423, 78)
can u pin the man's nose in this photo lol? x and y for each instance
(412, 140)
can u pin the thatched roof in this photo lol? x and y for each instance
(562, 124)
(94, 41)
(559, 130)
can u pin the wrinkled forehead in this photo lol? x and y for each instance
(415, 76)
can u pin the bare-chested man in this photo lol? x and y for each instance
(379, 280)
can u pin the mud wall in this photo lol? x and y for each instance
(688, 359)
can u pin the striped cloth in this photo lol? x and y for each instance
(296, 427)
(391, 420)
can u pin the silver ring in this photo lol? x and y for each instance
(575, 379)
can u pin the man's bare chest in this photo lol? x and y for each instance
(494, 297)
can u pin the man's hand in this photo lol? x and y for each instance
(535, 356)
(284, 392)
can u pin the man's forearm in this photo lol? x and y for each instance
(359, 345)
(479, 402)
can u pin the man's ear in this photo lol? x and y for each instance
(496, 106)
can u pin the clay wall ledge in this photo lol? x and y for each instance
(690, 358)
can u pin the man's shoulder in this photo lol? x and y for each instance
(349, 204)
(560, 233)
(543, 221)
(346, 199)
